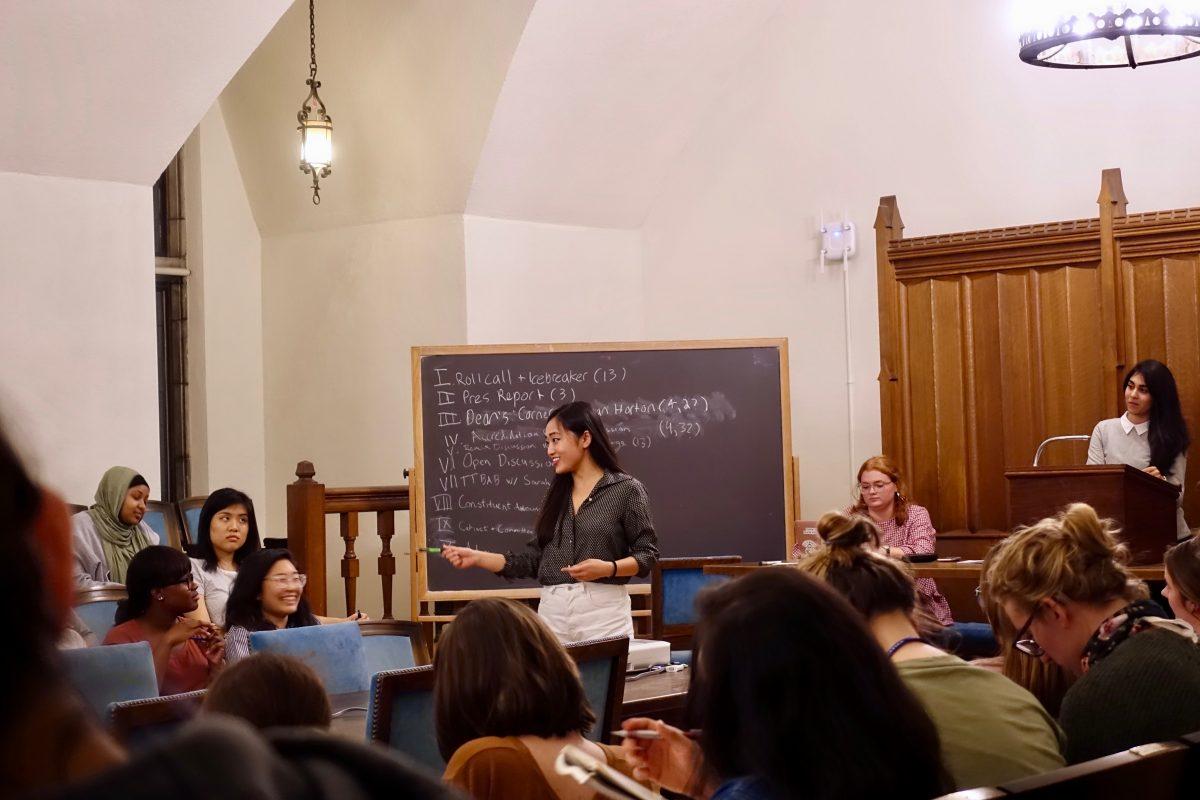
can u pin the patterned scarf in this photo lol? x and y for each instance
(1134, 618)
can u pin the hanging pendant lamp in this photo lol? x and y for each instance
(316, 126)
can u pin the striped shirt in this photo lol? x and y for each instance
(612, 523)
(237, 644)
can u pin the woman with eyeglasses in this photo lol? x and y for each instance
(267, 595)
(904, 527)
(187, 652)
(992, 731)
(1064, 585)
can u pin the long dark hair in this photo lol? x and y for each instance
(152, 568)
(578, 417)
(244, 606)
(526, 686)
(786, 669)
(1168, 430)
(28, 656)
(218, 501)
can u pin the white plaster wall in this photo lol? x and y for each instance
(225, 307)
(78, 374)
(537, 282)
(844, 102)
(341, 310)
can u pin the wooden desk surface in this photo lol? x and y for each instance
(659, 696)
(938, 570)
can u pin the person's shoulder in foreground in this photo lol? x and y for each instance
(295, 763)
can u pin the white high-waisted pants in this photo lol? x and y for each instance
(577, 612)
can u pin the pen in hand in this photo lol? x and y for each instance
(643, 733)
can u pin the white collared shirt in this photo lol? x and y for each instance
(1128, 425)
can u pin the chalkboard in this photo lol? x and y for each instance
(701, 424)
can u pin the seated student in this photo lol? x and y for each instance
(270, 690)
(1045, 680)
(992, 730)
(1065, 588)
(502, 719)
(267, 595)
(1182, 570)
(107, 535)
(794, 699)
(904, 527)
(52, 746)
(227, 533)
(187, 652)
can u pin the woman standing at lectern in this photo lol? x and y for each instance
(592, 534)
(1151, 435)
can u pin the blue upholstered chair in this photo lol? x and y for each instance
(189, 513)
(138, 723)
(164, 519)
(335, 652)
(601, 664)
(400, 714)
(392, 644)
(674, 584)
(110, 674)
(96, 605)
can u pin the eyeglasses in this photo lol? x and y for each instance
(867, 488)
(299, 579)
(1026, 644)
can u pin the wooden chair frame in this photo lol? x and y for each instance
(183, 506)
(617, 649)
(1127, 769)
(387, 686)
(127, 716)
(679, 636)
(395, 627)
(99, 592)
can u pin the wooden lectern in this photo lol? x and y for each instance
(1142, 506)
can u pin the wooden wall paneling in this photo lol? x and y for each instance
(1019, 395)
(1148, 328)
(889, 228)
(921, 458)
(984, 382)
(1113, 205)
(1089, 367)
(993, 340)
(949, 402)
(1053, 363)
(1181, 352)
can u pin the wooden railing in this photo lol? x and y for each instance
(310, 502)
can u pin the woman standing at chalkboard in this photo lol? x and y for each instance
(593, 533)
(1151, 435)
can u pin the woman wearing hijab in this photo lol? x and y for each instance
(110, 533)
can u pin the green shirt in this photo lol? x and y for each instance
(992, 730)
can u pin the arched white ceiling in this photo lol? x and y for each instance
(110, 91)
(566, 111)
(410, 85)
(601, 96)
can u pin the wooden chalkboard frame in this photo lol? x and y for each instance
(420, 577)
